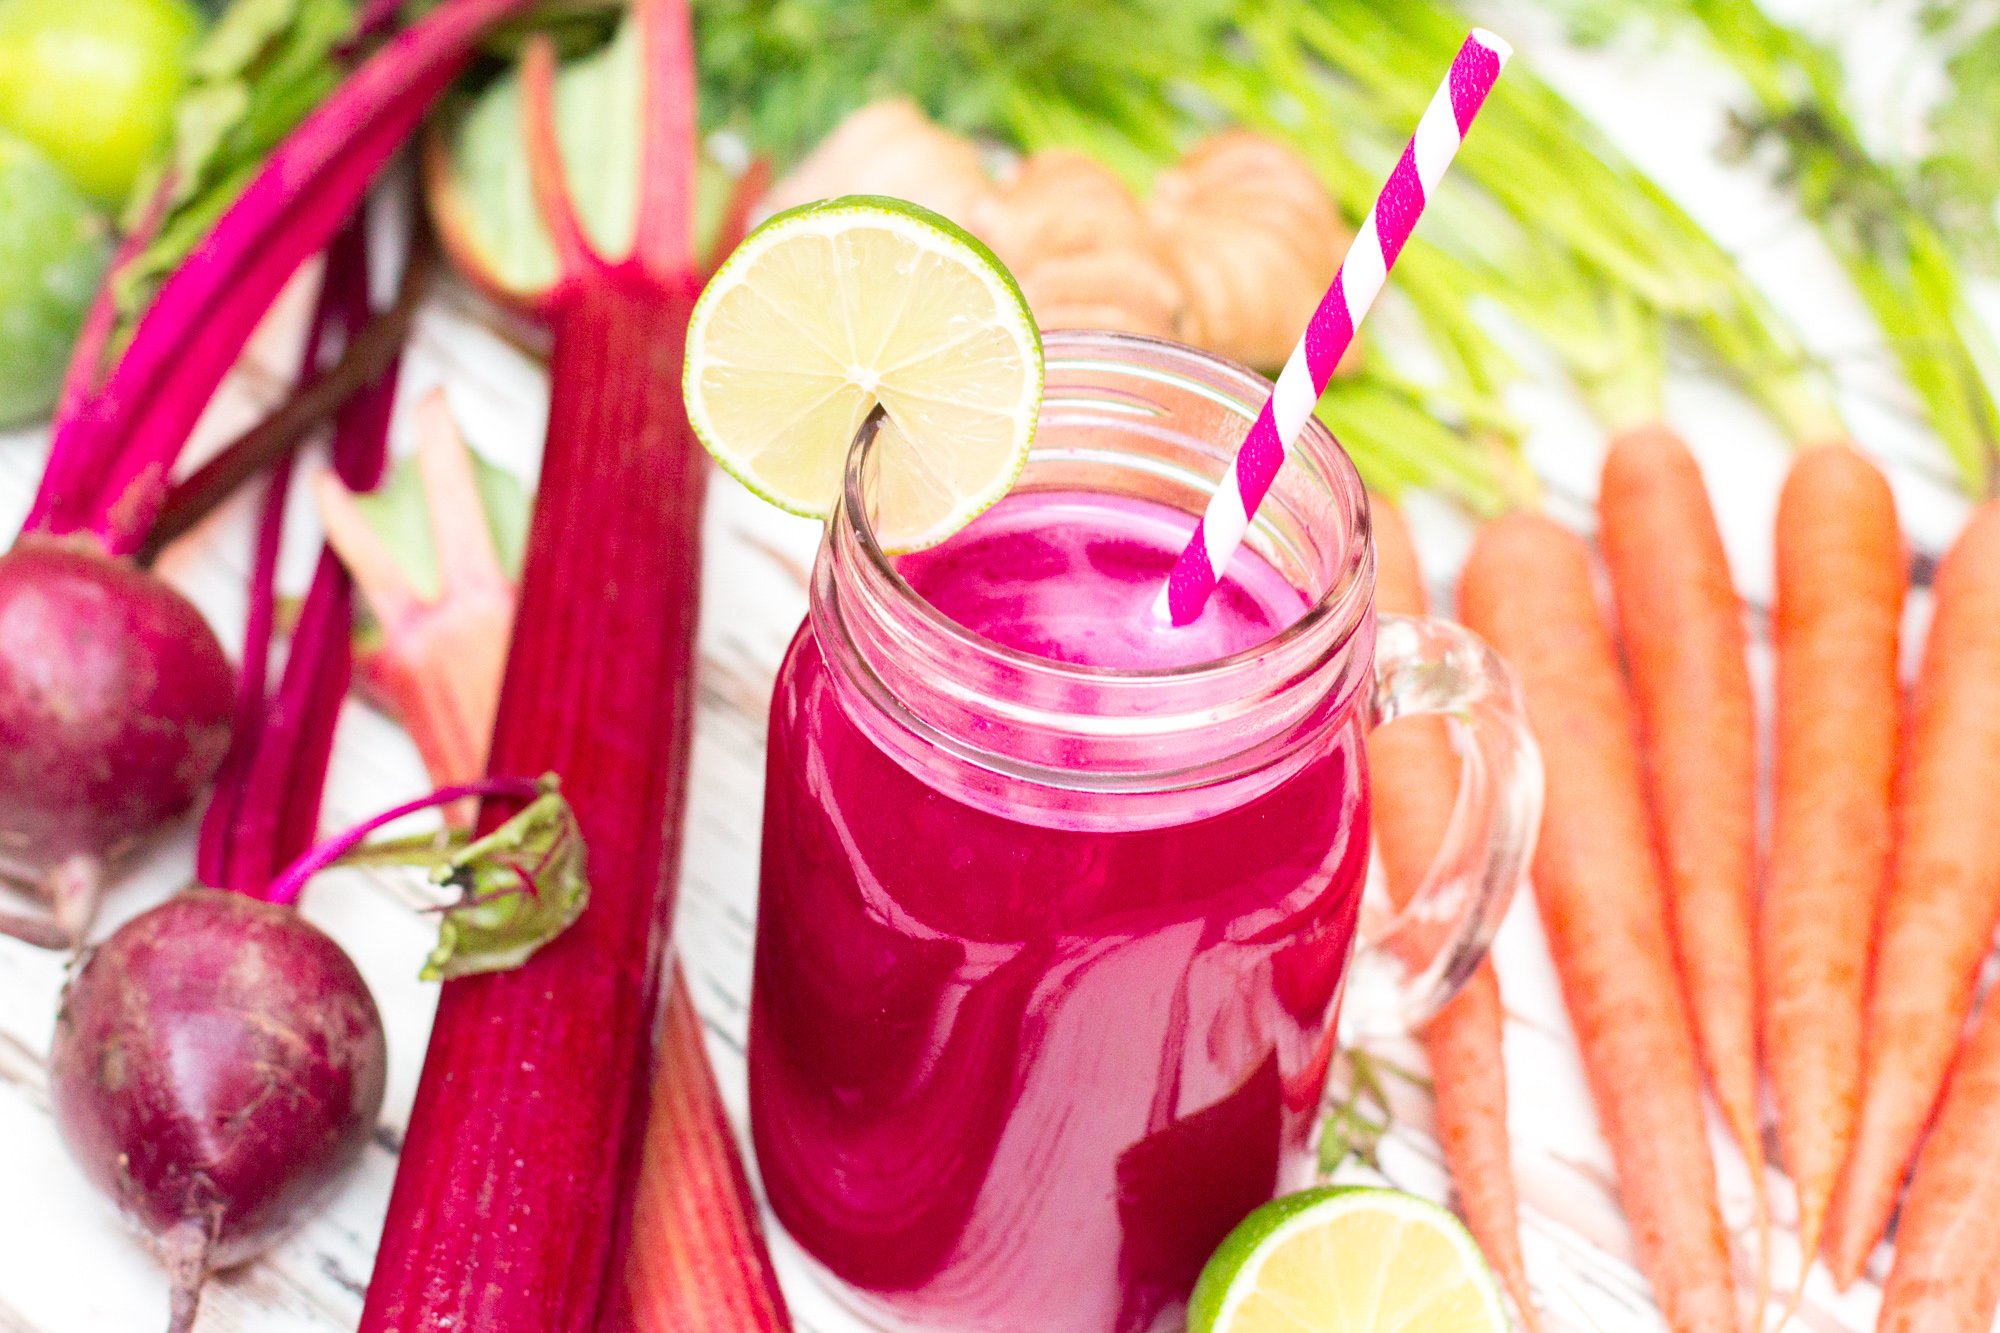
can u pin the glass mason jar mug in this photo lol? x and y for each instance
(1054, 922)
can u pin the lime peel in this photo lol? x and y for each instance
(1235, 1274)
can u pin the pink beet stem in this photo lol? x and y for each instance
(266, 808)
(205, 311)
(73, 470)
(1331, 330)
(86, 361)
(219, 824)
(287, 887)
(287, 778)
(367, 353)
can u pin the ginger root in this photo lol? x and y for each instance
(1232, 253)
(1255, 240)
(1081, 248)
(891, 148)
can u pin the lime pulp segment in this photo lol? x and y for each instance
(829, 309)
(1347, 1260)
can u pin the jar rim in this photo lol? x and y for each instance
(1336, 614)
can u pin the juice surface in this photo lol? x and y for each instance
(1075, 577)
(1008, 1075)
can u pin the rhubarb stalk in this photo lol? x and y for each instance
(514, 1194)
(697, 1260)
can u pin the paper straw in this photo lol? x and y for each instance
(1331, 329)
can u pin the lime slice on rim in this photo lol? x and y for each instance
(829, 309)
(1347, 1260)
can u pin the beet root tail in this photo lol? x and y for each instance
(185, 1250)
(73, 889)
(39, 931)
(76, 889)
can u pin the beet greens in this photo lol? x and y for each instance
(114, 694)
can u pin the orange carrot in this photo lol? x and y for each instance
(1414, 773)
(1937, 920)
(1946, 1277)
(1470, 1078)
(1681, 623)
(1839, 610)
(1527, 589)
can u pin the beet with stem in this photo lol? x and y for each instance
(218, 1064)
(84, 633)
(218, 1061)
(139, 720)
(115, 704)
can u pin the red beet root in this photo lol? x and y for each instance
(218, 1063)
(115, 706)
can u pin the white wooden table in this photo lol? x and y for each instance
(68, 1266)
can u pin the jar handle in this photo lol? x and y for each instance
(1411, 962)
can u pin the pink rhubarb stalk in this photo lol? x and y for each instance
(515, 1192)
(697, 1260)
(442, 656)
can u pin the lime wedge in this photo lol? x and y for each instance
(827, 310)
(1347, 1260)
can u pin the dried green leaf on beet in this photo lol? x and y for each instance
(519, 887)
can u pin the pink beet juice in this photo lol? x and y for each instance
(1057, 899)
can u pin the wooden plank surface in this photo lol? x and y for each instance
(67, 1265)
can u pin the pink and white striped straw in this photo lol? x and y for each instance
(1355, 286)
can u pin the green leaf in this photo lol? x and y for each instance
(53, 249)
(398, 513)
(519, 887)
(260, 70)
(1900, 230)
(784, 72)
(1355, 1127)
(598, 118)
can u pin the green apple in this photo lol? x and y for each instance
(91, 83)
(53, 249)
